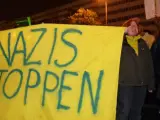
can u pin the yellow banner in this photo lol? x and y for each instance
(59, 72)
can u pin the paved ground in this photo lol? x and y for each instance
(150, 114)
(150, 110)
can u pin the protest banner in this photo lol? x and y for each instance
(59, 72)
(158, 8)
(152, 8)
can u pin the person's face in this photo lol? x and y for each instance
(132, 30)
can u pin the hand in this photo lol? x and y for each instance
(150, 91)
(126, 30)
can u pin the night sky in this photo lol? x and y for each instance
(11, 9)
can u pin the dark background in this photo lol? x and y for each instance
(11, 9)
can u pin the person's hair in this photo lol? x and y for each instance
(128, 22)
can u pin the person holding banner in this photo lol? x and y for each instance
(136, 73)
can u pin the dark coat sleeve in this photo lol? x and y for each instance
(156, 60)
(151, 85)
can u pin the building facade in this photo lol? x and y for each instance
(122, 10)
(116, 13)
(59, 14)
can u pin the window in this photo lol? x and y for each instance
(124, 18)
(126, 9)
(120, 2)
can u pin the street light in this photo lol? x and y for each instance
(106, 11)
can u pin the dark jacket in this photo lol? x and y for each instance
(155, 50)
(156, 60)
(136, 70)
